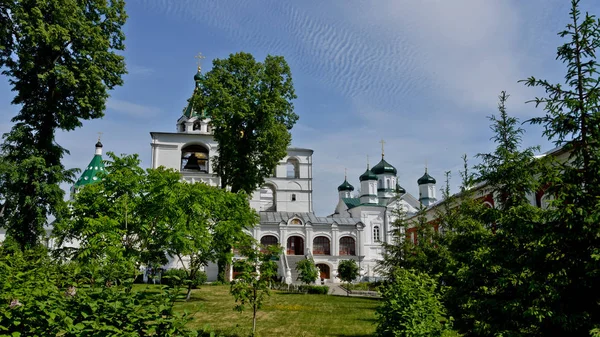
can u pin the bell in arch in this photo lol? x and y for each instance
(192, 163)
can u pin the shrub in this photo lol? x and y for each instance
(173, 277)
(307, 271)
(410, 306)
(40, 297)
(318, 290)
(179, 278)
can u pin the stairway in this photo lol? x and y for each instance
(292, 262)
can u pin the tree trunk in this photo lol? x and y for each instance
(254, 308)
(189, 292)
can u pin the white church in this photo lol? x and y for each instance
(355, 230)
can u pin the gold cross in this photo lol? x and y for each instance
(367, 161)
(345, 173)
(382, 143)
(199, 57)
(99, 135)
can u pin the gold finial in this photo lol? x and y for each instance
(345, 173)
(367, 162)
(382, 143)
(99, 135)
(425, 165)
(199, 57)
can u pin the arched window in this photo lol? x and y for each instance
(268, 198)
(321, 246)
(293, 169)
(347, 246)
(387, 184)
(293, 197)
(376, 237)
(194, 158)
(380, 183)
(269, 240)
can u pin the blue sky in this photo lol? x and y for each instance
(422, 75)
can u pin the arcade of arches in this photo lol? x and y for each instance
(321, 245)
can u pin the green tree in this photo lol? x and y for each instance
(258, 270)
(410, 306)
(347, 271)
(107, 216)
(61, 60)
(569, 244)
(203, 214)
(251, 114)
(307, 271)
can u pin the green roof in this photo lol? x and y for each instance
(90, 174)
(426, 179)
(400, 189)
(384, 167)
(368, 175)
(189, 111)
(345, 186)
(355, 202)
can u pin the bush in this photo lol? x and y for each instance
(179, 278)
(317, 290)
(40, 297)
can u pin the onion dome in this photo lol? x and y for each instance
(90, 174)
(345, 186)
(368, 175)
(384, 167)
(198, 76)
(426, 179)
(400, 189)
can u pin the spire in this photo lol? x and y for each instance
(382, 152)
(199, 57)
(96, 165)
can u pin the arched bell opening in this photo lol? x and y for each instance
(194, 158)
(268, 198)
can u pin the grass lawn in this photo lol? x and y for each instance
(282, 314)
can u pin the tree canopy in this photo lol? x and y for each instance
(61, 59)
(251, 114)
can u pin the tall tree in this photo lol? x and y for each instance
(61, 60)
(251, 111)
(569, 241)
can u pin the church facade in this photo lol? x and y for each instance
(356, 229)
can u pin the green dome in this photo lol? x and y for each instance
(426, 179)
(384, 167)
(368, 175)
(400, 189)
(198, 76)
(345, 186)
